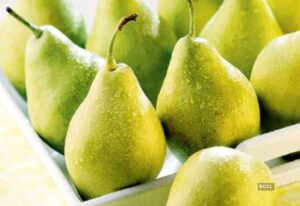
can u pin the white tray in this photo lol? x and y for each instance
(151, 194)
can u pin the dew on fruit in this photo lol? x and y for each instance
(192, 101)
(202, 105)
(198, 86)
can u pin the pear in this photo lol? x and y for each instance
(205, 101)
(275, 78)
(287, 14)
(13, 36)
(175, 12)
(240, 30)
(115, 139)
(58, 77)
(147, 47)
(222, 176)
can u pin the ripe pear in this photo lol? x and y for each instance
(221, 176)
(115, 139)
(58, 77)
(240, 30)
(205, 101)
(276, 79)
(287, 13)
(13, 36)
(175, 12)
(147, 47)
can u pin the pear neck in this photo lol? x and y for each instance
(35, 30)
(110, 62)
(192, 31)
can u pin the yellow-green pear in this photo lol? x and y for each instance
(147, 47)
(287, 14)
(115, 139)
(176, 13)
(240, 30)
(221, 176)
(58, 77)
(205, 101)
(276, 79)
(14, 36)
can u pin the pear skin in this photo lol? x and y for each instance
(14, 36)
(240, 30)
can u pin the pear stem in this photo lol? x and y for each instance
(36, 31)
(111, 64)
(192, 18)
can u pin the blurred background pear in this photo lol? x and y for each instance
(147, 47)
(13, 36)
(287, 13)
(276, 80)
(176, 13)
(240, 30)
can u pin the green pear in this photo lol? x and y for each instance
(175, 12)
(205, 101)
(276, 79)
(221, 176)
(147, 47)
(58, 77)
(115, 139)
(240, 30)
(287, 13)
(13, 36)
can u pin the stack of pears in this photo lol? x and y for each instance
(58, 77)
(13, 36)
(147, 47)
(115, 139)
(204, 100)
(240, 30)
(96, 112)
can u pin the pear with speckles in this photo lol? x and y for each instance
(115, 139)
(222, 176)
(240, 30)
(14, 36)
(58, 77)
(205, 101)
